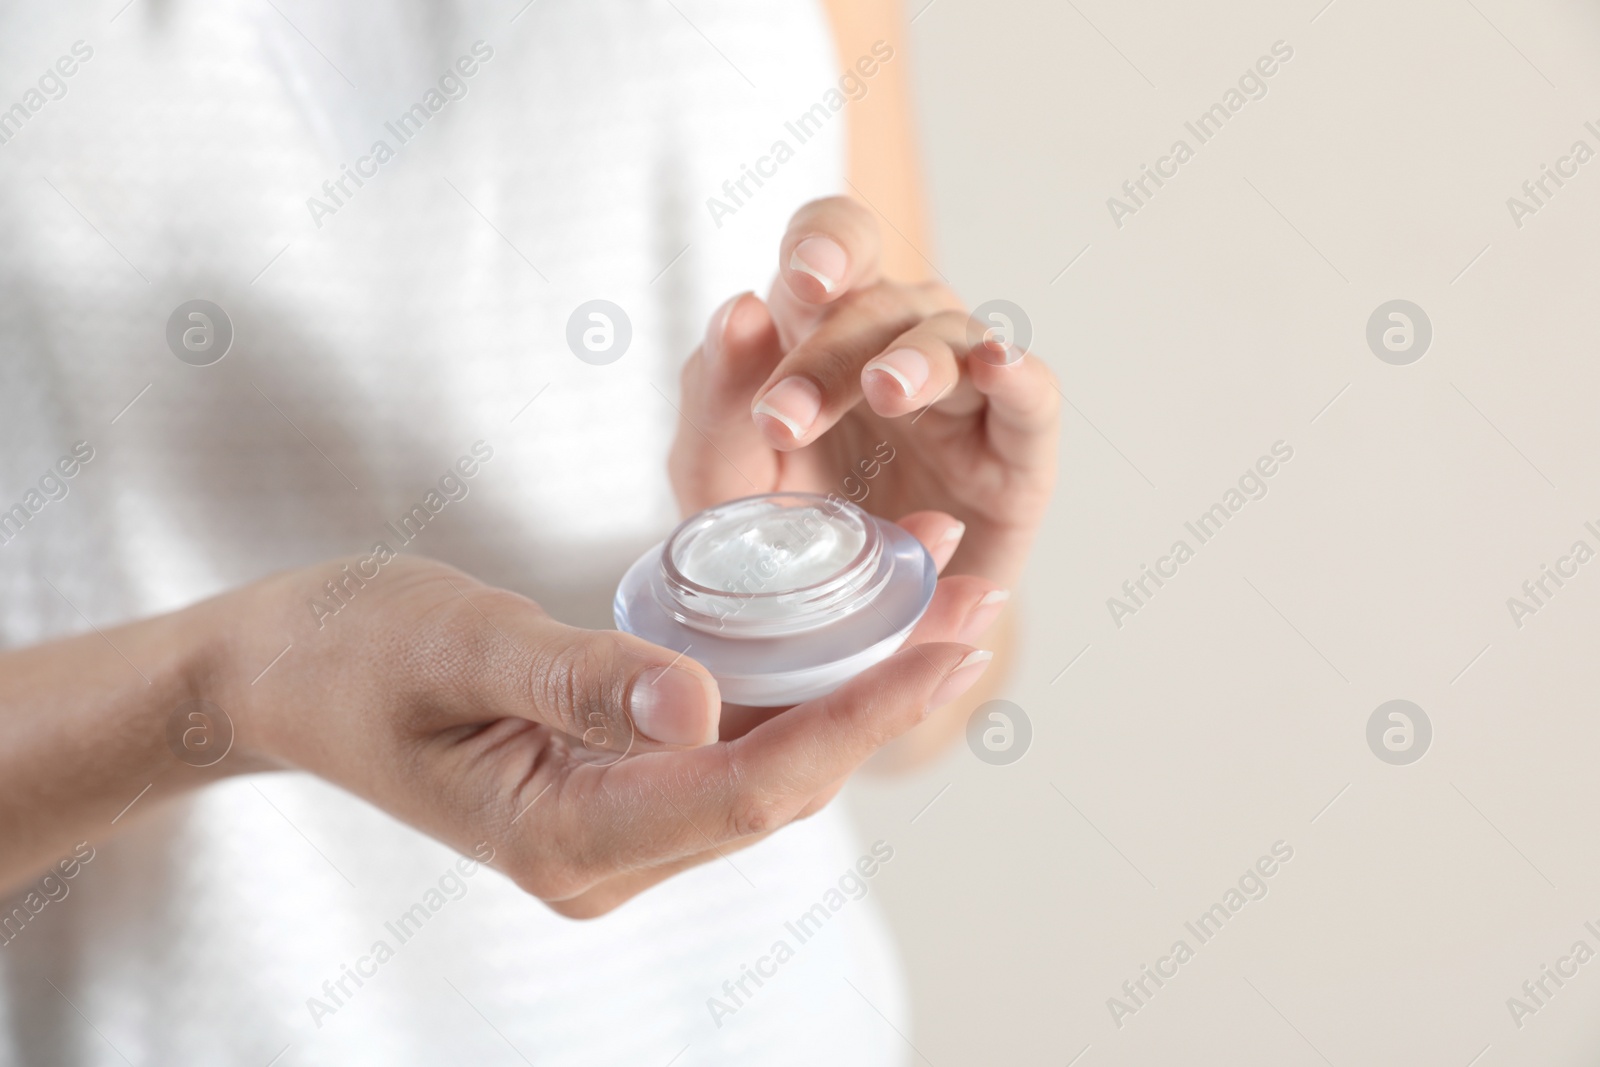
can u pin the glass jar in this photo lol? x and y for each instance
(782, 597)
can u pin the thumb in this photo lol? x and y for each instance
(609, 690)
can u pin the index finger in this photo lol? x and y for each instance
(832, 246)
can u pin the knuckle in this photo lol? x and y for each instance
(439, 644)
(752, 809)
(836, 368)
(940, 298)
(453, 651)
(951, 324)
(567, 680)
(884, 302)
(756, 814)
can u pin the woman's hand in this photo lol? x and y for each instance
(588, 760)
(885, 393)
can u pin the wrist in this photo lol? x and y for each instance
(223, 672)
(195, 719)
(287, 668)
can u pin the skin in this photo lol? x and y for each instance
(454, 706)
(469, 713)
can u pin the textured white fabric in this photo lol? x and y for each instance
(419, 317)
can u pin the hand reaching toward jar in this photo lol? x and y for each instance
(883, 392)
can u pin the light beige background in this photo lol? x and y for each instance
(1228, 714)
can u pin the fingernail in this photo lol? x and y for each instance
(982, 614)
(907, 366)
(958, 681)
(719, 326)
(796, 402)
(672, 705)
(999, 353)
(823, 259)
(954, 533)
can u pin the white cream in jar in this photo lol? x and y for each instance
(782, 597)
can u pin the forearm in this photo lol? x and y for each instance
(883, 164)
(83, 733)
(884, 170)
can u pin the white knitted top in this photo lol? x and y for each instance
(389, 307)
